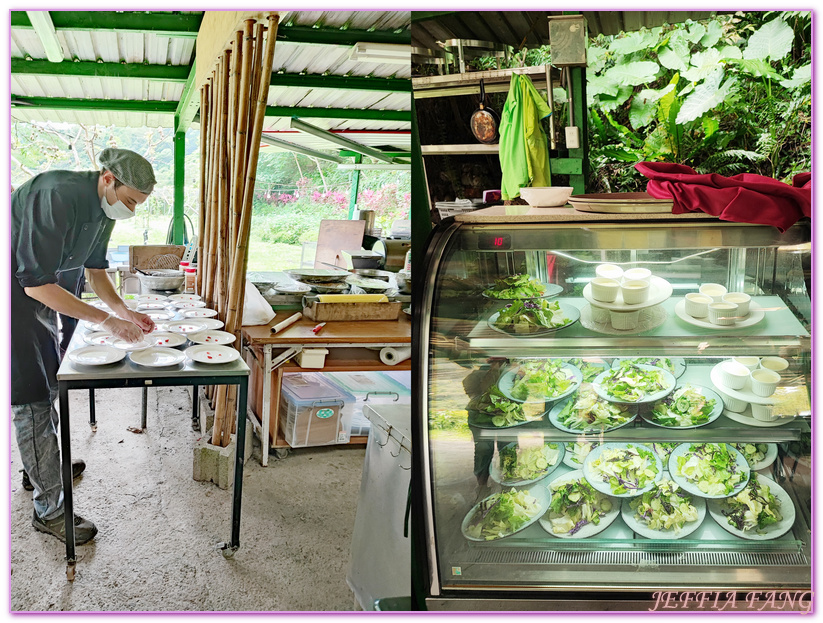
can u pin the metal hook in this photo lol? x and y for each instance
(405, 468)
(388, 436)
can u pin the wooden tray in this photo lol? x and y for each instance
(321, 312)
(614, 203)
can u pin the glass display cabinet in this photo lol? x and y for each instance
(590, 442)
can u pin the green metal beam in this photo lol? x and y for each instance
(167, 24)
(189, 102)
(299, 149)
(355, 186)
(179, 182)
(422, 16)
(67, 103)
(345, 153)
(336, 139)
(339, 113)
(336, 36)
(164, 73)
(357, 83)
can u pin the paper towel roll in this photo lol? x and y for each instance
(392, 356)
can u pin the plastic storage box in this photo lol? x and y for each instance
(367, 388)
(312, 409)
(312, 357)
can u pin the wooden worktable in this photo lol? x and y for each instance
(335, 332)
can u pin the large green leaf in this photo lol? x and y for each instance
(696, 32)
(657, 143)
(617, 153)
(560, 96)
(758, 69)
(801, 76)
(612, 102)
(705, 96)
(671, 59)
(772, 40)
(703, 64)
(632, 74)
(628, 136)
(730, 52)
(644, 106)
(633, 42)
(601, 84)
(595, 59)
(710, 126)
(712, 36)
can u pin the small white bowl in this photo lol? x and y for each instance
(740, 299)
(601, 315)
(604, 289)
(697, 305)
(625, 320)
(638, 274)
(764, 413)
(776, 364)
(634, 291)
(714, 290)
(722, 314)
(546, 196)
(750, 362)
(609, 271)
(733, 404)
(733, 374)
(764, 382)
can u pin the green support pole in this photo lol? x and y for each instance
(420, 206)
(355, 185)
(179, 181)
(581, 120)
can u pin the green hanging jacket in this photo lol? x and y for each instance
(524, 151)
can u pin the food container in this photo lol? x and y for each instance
(312, 411)
(605, 289)
(368, 388)
(161, 279)
(601, 315)
(546, 196)
(722, 314)
(764, 413)
(638, 274)
(624, 320)
(733, 404)
(713, 290)
(734, 375)
(697, 305)
(776, 364)
(312, 357)
(750, 362)
(609, 271)
(764, 382)
(740, 299)
(634, 291)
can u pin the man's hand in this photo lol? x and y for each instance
(143, 321)
(124, 329)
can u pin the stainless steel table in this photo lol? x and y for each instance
(127, 374)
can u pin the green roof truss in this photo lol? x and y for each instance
(357, 83)
(89, 69)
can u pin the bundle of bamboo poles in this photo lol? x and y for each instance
(232, 109)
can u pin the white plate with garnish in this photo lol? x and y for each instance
(212, 337)
(152, 306)
(158, 357)
(199, 313)
(159, 315)
(151, 298)
(166, 339)
(211, 354)
(186, 326)
(99, 338)
(185, 297)
(189, 304)
(97, 355)
(210, 323)
(141, 344)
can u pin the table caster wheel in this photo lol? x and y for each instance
(227, 553)
(282, 453)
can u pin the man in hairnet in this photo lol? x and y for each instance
(61, 221)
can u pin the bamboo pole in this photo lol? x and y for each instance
(242, 128)
(214, 223)
(255, 85)
(201, 225)
(208, 258)
(234, 84)
(223, 187)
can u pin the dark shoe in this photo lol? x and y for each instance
(84, 530)
(77, 468)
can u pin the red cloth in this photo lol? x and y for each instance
(744, 198)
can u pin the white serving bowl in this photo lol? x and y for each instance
(634, 291)
(764, 382)
(637, 274)
(750, 362)
(624, 320)
(722, 314)
(713, 290)
(733, 404)
(609, 271)
(734, 375)
(604, 289)
(601, 315)
(546, 196)
(697, 305)
(764, 413)
(741, 299)
(776, 364)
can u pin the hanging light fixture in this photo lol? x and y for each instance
(381, 53)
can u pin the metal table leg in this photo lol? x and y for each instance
(68, 501)
(265, 419)
(239, 460)
(92, 416)
(195, 407)
(144, 410)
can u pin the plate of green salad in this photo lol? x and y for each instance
(577, 510)
(520, 286)
(589, 367)
(540, 380)
(528, 318)
(577, 452)
(709, 470)
(758, 455)
(505, 513)
(492, 409)
(688, 406)
(634, 384)
(665, 511)
(761, 511)
(519, 464)
(585, 412)
(675, 365)
(664, 449)
(623, 470)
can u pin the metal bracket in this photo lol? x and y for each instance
(226, 549)
(284, 357)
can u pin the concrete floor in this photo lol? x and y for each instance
(158, 527)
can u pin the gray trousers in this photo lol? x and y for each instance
(36, 425)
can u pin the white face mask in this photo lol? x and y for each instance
(118, 211)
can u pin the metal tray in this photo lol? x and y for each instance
(621, 203)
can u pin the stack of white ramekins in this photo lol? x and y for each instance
(633, 285)
(763, 375)
(722, 307)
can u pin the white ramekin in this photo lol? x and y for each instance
(733, 374)
(776, 364)
(638, 274)
(604, 289)
(733, 404)
(609, 271)
(697, 305)
(741, 299)
(764, 413)
(722, 314)
(635, 291)
(750, 362)
(601, 315)
(714, 290)
(625, 320)
(764, 382)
